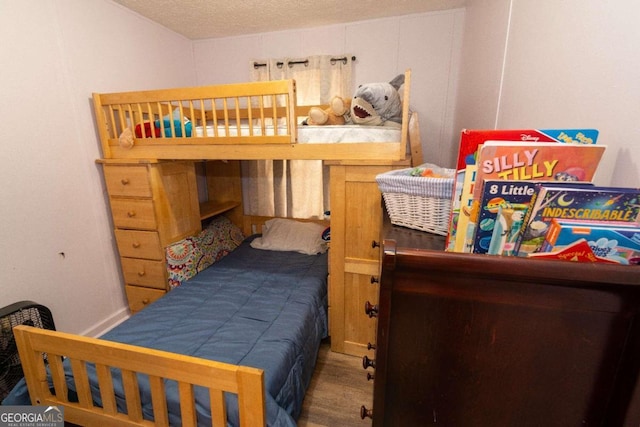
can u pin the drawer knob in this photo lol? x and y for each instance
(145, 301)
(370, 309)
(365, 413)
(141, 273)
(374, 280)
(371, 346)
(124, 181)
(131, 214)
(375, 244)
(136, 245)
(370, 376)
(366, 362)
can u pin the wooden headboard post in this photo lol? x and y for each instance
(405, 114)
(102, 124)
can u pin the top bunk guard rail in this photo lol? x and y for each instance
(243, 121)
(247, 113)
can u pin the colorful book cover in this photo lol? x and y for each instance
(579, 251)
(615, 241)
(537, 162)
(502, 208)
(579, 203)
(507, 229)
(471, 140)
(462, 242)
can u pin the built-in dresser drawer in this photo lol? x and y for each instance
(127, 181)
(133, 213)
(140, 297)
(144, 272)
(139, 244)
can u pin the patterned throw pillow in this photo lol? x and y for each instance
(191, 255)
(219, 238)
(182, 260)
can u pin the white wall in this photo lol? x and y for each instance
(55, 53)
(567, 64)
(427, 43)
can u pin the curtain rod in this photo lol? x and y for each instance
(343, 59)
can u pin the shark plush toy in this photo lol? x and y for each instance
(374, 104)
(378, 104)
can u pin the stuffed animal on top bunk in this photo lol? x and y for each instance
(373, 104)
(337, 113)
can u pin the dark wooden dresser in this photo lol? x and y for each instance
(475, 340)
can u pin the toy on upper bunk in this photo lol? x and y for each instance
(337, 113)
(373, 104)
(145, 130)
(166, 123)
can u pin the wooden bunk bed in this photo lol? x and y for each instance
(216, 123)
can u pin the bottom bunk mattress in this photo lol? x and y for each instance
(259, 308)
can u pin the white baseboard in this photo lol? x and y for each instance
(107, 324)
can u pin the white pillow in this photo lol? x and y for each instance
(280, 234)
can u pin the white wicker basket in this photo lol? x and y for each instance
(421, 203)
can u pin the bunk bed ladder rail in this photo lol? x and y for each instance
(157, 366)
(218, 114)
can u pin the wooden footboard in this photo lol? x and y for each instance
(218, 378)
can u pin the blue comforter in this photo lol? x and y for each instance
(256, 308)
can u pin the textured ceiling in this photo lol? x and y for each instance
(202, 19)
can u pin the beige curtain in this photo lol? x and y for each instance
(296, 188)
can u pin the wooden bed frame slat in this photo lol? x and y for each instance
(246, 382)
(105, 383)
(81, 381)
(132, 394)
(187, 407)
(218, 409)
(159, 401)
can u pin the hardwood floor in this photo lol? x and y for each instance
(338, 389)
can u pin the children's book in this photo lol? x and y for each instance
(471, 140)
(614, 240)
(580, 251)
(463, 242)
(507, 229)
(580, 203)
(537, 162)
(502, 208)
